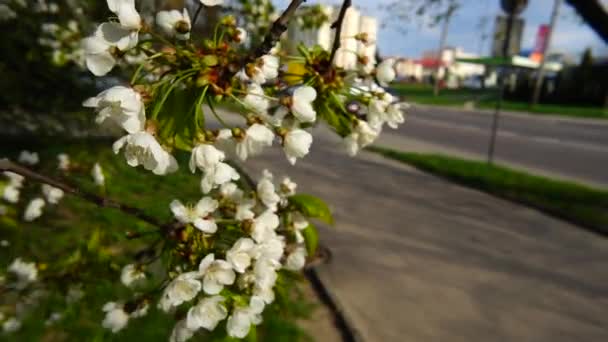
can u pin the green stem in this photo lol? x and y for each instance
(141, 66)
(216, 115)
(176, 81)
(198, 109)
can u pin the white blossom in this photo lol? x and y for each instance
(241, 34)
(174, 23)
(256, 99)
(181, 289)
(296, 144)
(199, 215)
(239, 322)
(270, 248)
(6, 13)
(98, 176)
(266, 192)
(242, 318)
(15, 179)
(100, 49)
(239, 256)
(180, 332)
(256, 138)
(122, 105)
(264, 226)
(26, 272)
(296, 259)
(131, 275)
(220, 174)
(29, 158)
(216, 274)
(231, 191)
(116, 318)
(270, 66)
(53, 195)
(141, 310)
(126, 12)
(75, 294)
(142, 149)
(33, 209)
(299, 224)
(206, 314)
(288, 187)
(212, 2)
(301, 104)
(11, 325)
(265, 271)
(265, 69)
(64, 161)
(244, 209)
(385, 72)
(11, 194)
(394, 114)
(53, 318)
(361, 136)
(205, 157)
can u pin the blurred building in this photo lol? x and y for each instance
(449, 64)
(408, 69)
(323, 36)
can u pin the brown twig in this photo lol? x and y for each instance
(198, 11)
(276, 30)
(7, 165)
(338, 26)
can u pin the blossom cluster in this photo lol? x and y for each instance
(224, 255)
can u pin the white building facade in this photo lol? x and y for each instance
(353, 24)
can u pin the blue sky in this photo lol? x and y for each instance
(571, 35)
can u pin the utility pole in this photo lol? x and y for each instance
(442, 39)
(512, 8)
(546, 45)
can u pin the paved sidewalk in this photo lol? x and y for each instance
(416, 258)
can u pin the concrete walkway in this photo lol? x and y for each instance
(416, 258)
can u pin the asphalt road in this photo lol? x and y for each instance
(571, 149)
(416, 258)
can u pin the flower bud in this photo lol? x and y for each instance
(182, 27)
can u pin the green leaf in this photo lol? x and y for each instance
(311, 238)
(94, 240)
(252, 336)
(178, 119)
(311, 206)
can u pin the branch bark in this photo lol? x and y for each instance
(276, 30)
(338, 26)
(594, 14)
(7, 165)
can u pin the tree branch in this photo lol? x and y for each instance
(251, 184)
(198, 11)
(338, 26)
(7, 165)
(276, 30)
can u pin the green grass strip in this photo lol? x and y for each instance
(570, 201)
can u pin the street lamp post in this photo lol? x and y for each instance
(512, 8)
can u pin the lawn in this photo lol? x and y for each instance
(485, 99)
(570, 201)
(78, 229)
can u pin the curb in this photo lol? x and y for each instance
(341, 322)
